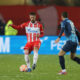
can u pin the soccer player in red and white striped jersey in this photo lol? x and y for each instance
(34, 30)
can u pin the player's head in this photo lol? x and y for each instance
(64, 15)
(32, 16)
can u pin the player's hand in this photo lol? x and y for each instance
(57, 40)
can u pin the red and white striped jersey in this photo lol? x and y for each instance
(32, 30)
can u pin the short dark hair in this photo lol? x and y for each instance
(33, 13)
(65, 14)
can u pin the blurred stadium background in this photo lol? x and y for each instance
(12, 41)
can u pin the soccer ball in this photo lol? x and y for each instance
(23, 68)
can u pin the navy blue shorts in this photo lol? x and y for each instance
(70, 46)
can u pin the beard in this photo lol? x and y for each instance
(33, 21)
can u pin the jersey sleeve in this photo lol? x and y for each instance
(41, 31)
(19, 26)
(62, 29)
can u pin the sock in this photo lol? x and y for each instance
(27, 61)
(62, 62)
(64, 70)
(35, 58)
(77, 60)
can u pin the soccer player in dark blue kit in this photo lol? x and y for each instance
(73, 39)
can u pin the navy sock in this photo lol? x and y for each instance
(77, 60)
(62, 62)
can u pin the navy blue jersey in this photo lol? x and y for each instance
(67, 26)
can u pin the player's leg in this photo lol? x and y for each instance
(35, 57)
(27, 52)
(65, 49)
(27, 58)
(62, 62)
(74, 58)
(73, 55)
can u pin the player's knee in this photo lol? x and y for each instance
(72, 57)
(60, 54)
(26, 52)
(36, 49)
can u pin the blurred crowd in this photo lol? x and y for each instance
(57, 2)
(67, 2)
(41, 2)
(2, 25)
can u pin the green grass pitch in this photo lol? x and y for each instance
(47, 68)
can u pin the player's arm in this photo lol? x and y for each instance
(78, 35)
(60, 34)
(18, 26)
(41, 31)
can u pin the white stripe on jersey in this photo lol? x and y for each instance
(28, 37)
(32, 33)
(32, 37)
(29, 34)
(36, 33)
